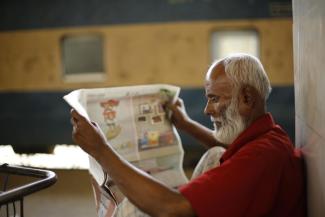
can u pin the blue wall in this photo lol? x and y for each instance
(31, 121)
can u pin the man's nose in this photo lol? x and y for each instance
(209, 110)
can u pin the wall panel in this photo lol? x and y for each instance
(177, 53)
(309, 52)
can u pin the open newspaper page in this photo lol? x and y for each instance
(138, 128)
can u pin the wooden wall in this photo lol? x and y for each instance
(176, 53)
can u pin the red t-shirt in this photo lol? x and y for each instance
(260, 175)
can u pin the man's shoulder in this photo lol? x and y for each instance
(274, 142)
(273, 137)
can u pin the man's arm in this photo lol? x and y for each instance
(142, 190)
(183, 122)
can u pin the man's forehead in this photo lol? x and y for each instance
(218, 87)
(216, 76)
(215, 71)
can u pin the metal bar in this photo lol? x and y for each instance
(22, 207)
(48, 178)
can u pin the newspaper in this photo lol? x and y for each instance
(137, 126)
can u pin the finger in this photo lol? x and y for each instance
(94, 124)
(179, 102)
(76, 115)
(75, 136)
(173, 107)
(167, 105)
(75, 130)
(73, 121)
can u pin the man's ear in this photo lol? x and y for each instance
(247, 98)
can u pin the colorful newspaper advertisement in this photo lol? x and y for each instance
(137, 126)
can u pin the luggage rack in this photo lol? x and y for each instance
(45, 179)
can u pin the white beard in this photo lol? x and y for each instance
(232, 124)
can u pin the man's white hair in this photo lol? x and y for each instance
(245, 69)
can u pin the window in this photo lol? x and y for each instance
(82, 57)
(226, 42)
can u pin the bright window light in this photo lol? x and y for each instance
(226, 42)
(64, 157)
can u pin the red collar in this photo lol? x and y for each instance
(257, 128)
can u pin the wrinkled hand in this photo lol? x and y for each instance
(87, 135)
(179, 115)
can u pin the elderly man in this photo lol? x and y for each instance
(260, 174)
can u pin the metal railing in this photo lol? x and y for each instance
(45, 179)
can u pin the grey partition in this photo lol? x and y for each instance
(309, 63)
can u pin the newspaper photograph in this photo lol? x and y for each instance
(138, 127)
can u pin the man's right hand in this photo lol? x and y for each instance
(183, 122)
(179, 115)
